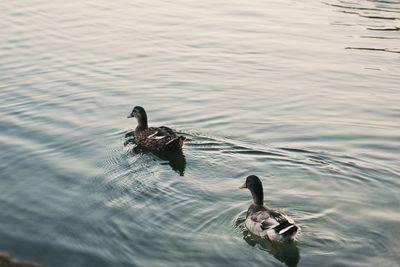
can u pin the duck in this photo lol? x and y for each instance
(270, 224)
(158, 139)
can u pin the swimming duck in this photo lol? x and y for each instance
(158, 139)
(270, 224)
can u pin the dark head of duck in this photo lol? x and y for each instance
(254, 184)
(140, 114)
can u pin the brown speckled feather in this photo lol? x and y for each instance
(159, 139)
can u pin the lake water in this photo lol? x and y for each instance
(304, 94)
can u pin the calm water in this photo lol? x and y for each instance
(304, 94)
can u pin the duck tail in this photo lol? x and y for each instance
(290, 232)
(176, 143)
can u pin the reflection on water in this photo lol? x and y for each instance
(288, 253)
(176, 159)
(260, 87)
(374, 49)
(376, 17)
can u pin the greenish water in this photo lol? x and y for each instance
(304, 94)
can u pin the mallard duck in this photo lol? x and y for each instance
(158, 139)
(270, 224)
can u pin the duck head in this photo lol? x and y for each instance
(254, 184)
(140, 114)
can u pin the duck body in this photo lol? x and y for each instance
(157, 139)
(270, 224)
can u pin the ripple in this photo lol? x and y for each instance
(373, 16)
(255, 92)
(374, 49)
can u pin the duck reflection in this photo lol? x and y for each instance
(176, 159)
(287, 253)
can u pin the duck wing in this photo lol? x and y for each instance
(175, 142)
(158, 133)
(159, 139)
(270, 223)
(166, 131)
(277, 220)
(263, 220)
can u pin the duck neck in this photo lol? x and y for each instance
(142, 122)
(258, 196)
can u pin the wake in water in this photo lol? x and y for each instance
(176, 159)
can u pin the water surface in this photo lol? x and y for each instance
(303, 94)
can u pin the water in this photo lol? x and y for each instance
(303, 94)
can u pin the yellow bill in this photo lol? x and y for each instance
(243, 186)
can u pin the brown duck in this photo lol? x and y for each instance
(154, 138)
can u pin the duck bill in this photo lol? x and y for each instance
(243, 186)
(130, 116)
